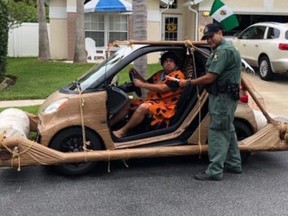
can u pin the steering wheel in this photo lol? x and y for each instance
(132, 76)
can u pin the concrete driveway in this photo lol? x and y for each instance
(274, 93)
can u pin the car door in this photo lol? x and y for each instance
(248, 43)
(256, 46)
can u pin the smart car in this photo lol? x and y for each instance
(83, 108)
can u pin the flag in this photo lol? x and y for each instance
(224, 15)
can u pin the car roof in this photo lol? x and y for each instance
(272, 24)
(161, 43)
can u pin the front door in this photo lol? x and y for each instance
(171, 27)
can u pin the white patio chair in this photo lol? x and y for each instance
(93, 52)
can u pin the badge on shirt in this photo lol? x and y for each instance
(215, 57)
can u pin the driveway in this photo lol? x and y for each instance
(274, 93)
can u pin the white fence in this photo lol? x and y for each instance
(23, 40)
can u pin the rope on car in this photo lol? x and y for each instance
(199, 103)
(15, 152)
(82, 103)
(190, 52)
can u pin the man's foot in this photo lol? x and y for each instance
(205, 177)
(231, 170)
(119, 133)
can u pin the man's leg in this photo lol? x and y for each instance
(218, 144)
(137, 117)
(120, 115)
(233, 160)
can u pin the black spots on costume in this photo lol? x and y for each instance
(174, 99)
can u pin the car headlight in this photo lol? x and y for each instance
(55, 106)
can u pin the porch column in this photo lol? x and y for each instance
(58, 29)
(71, 25)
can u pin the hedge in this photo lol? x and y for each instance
(3, 37)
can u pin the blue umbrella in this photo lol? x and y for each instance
(107, 5)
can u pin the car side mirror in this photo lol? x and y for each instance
(237, 35)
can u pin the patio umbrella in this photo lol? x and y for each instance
(107, 5)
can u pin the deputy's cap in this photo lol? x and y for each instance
(210, 30)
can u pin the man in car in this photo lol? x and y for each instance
(160, 103)
(222, 80)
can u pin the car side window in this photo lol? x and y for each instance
(273, 33)
(248, 34)
(254, 32)
(286, 35)
(259, 32)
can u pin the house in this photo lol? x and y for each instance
(250, 12)
(165, 21)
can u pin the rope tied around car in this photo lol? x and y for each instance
(15, 153)
(283, 128)
(82, 104)
(190, 52)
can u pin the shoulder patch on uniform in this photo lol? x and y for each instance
(215, 57)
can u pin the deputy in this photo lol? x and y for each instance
(222, 80)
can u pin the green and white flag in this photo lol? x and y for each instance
(224, 15)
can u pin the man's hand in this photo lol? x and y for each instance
(138, 83)
(183, 82)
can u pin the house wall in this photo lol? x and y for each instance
(155, 25)
(58, 22)
(265, 7)
(245, 7)
(63, 34)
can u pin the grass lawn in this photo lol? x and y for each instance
(29, 109)
(37, 80)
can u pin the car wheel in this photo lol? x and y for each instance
(70, 140)
(243, 131)
(265, 70)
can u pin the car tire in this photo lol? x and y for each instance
(265, 70)
(70, 140)
(243, 130)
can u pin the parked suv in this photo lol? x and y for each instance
(265, 45)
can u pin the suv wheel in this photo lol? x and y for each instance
(70, 140)
(265, 70)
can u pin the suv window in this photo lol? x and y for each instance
(273, 33)
(286, 35)
(254, 32)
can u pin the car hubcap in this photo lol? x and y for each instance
(264, 68)
(73, 144)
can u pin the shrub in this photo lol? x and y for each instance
(3, 37)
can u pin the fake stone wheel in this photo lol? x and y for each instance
(70, 140)
(243, 131)
(265, 70)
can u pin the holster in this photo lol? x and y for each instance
(232, 89)
(212, 88)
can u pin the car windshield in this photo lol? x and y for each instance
(97, 74)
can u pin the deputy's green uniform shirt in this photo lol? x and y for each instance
(224, 61)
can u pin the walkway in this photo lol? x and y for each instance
(20, 103)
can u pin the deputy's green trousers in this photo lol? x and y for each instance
(222, 140)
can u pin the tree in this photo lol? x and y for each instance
(80, 53)
(3, 37)
(21, 11)
(44, 49)
(139, 20)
